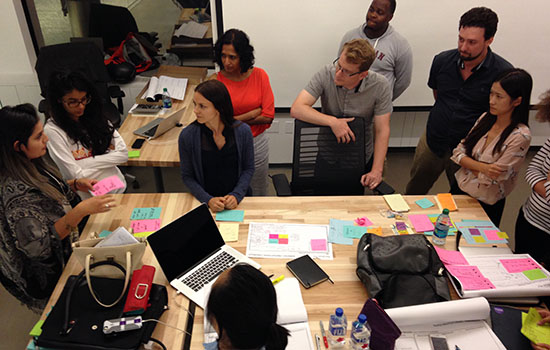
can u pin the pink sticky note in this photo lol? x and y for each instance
(273, 236)
(283, 240)
(319, 244)
(451, 257)
(492, 235)
(464, 271)
(145, 225)
(519, 265)
(107, 185)
(421, 222)
(364, 221)
(476, 283)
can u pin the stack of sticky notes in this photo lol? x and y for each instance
(446, 201)
(396, 202)
(145, 221)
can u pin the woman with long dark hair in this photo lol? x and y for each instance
(216, 151)
(83, 143)
(491, 154)
(39, 212)
(251, 95)
(242, 308)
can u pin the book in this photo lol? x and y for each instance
(307, 271)
(176, 88)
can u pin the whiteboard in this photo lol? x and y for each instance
(293, 39)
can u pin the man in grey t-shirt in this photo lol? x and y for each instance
(347, 88)
(394, 58)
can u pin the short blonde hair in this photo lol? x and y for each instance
(361, 52)
(543, 107)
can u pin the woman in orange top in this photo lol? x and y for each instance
(251, 95)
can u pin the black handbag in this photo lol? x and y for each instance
(76, 320)
(401, 270)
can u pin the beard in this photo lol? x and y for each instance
(470, 58)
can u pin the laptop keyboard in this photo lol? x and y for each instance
(209, 271)
(151, 132)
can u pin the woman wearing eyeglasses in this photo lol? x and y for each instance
(83, 143)
(251, 95)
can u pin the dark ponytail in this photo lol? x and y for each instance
(277, 338)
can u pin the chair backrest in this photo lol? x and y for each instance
(322, 166)
(111, 23)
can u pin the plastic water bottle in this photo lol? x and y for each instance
(360, 333)
(337, 328)
(441, 228)
(166, 99)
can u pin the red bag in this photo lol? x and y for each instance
(132, 51)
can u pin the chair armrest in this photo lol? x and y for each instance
(383, 188)
(115, 91)
(282, 187)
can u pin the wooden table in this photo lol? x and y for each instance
(320, 301)
(163, 151)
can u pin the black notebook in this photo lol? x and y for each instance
(307, 271)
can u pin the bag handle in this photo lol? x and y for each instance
(126, 279)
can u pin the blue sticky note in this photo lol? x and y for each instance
(146, 213)
(336, 232)
(104, 233)
(354, 231)
(424, 203)
(230, 215)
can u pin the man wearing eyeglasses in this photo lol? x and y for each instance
(349, 90)
(394, 58)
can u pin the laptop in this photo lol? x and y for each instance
(192, 253)
(159, 126)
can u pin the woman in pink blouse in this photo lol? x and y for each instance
(491, 154)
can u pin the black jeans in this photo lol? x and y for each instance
(493, 211)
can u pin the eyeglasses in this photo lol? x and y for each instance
(345, 71)
(73, 103)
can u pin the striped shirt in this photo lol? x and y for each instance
(537, 207)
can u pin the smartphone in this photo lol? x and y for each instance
(138, 143)
(439, 343)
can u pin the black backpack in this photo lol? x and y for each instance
(401, 270)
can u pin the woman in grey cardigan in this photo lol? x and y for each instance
(216, 151)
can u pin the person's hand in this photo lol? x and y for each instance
(341, 130)
(540, 346)
(216, 204)
(99, 204)
(85, 184)
(493, 170)
(230, 201)
(372, 179)
(545, 314)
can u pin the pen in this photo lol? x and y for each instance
(318, 341)
(323, 334)
(278, 279)
(270, 276)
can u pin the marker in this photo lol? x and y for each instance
(278, 279)
(318, 341)
(323, 333)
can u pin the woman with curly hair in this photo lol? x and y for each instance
(83, 143)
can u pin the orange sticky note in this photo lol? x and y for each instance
(446, 201)
(375, 230)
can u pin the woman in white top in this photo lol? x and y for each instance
(83, 143)
(492, 153)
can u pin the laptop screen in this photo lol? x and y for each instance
(186, 241)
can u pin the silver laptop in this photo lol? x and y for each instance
(159, 126)
(192, 253)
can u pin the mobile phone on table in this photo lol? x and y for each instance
(439, 342)
(138, 143)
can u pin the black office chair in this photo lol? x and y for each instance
(86, 58)
(322, 166)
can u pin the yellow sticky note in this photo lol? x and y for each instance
(142, 234)
(283, 236)
(396, 202)
(502, 235)
(479, 239)
(534, 332)
(229, 231)
(375, 230)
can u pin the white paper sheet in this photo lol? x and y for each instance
(176, 87)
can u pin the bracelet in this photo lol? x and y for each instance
(75, 184)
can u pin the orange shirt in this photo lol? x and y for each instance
(251, 93)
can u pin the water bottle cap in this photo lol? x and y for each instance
(362, 318)
(446, 211)
(339, 312)
(165, 90)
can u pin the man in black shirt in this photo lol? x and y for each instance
(461, 80)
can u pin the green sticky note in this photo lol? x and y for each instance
(133, 154)
(142, 234)
(146, 213)
(479, 239)
(424, 203)
(104, 233)
(37, 329)
(534, 332)
(535, 274)
(354, 231)
(230, 215)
